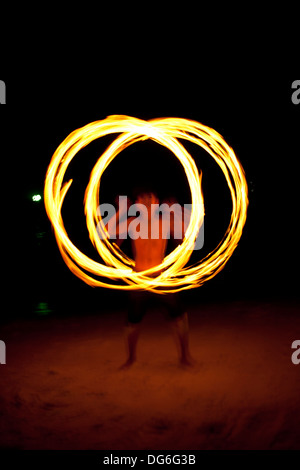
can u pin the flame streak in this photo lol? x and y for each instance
(117, 267)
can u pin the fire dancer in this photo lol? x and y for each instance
(149, 248)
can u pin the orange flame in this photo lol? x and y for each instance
(173, 275)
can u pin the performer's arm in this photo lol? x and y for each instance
(177, 220)
(180, 219)
(117, 225)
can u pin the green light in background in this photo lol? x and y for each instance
(43, 308)
(36, 197)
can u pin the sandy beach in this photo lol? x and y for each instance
(61, 387)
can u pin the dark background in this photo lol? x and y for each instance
(62, 73)
(255, 116)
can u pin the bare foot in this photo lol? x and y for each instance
(187, 361)
(127, 364)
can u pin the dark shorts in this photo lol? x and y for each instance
(141, 301)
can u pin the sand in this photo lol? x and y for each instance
(61, 387)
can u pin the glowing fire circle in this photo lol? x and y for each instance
(171, 274)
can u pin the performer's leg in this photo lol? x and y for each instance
(180, 327)
(132, 329)
(181, 330)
